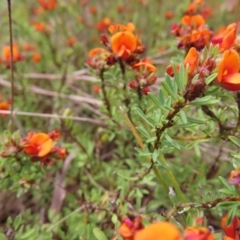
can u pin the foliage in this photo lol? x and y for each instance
(149, 123)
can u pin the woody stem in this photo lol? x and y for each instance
(107, 103)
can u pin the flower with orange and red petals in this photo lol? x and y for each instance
(38, 144)
(231, 231)
(48, 4)
(195, 233)
(228, 70)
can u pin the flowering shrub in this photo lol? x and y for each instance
(117, 128)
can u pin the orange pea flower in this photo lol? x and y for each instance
(120, 8)
(120, 28)
(158, 231)
(234, 178)
(71, 41)
(145, 65)
(194, 233)
(38, 144)
(36, 57)
(103, 24)
(96, 52)
(92, 10)
(4, 106)
(97, 58)
(228, 71)
(195, 20)
(124, 43)
(191, 59)
(129, 227)
(226, 37)
(6, 54)
(40, 26)
(59, 153)
(231, 231)
(169, 14)
(28, 47)
(48, 4)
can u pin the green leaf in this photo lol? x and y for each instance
(172, 142)
(225, 183)
(168, 86)
(183, 117)
(207, 100)
(17, 221)
(230, 204)
(157, 102)
(99, 234)
(235, 140)
(152, 139)
(143, 131)
(195, 77)
(29, 235)
(182, 80)
(114, 219)
(161, 97)
(2, 236)
(210, 78)
(232, 214)
(143, 116)
(142, 153)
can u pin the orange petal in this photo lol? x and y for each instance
(96, 51)
(148, 66)
(198, 233)
(231, 230)
(231, 82)
(229, 64)
(198, 20)
(45, 148)
(158, 231)
(191, 59)
(229, 38)
(126, 39)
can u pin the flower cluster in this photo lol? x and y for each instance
(133, 229)
(48, 4)
(20, 53)
(39, 147)
(192, 32)
(123, 47)
(197, 65)
(144, 76)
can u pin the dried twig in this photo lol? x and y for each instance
(47, 115)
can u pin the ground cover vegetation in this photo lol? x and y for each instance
(120, 120)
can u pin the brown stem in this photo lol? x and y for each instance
(11, 61)
(176, 108)
(206, 205)
(107, 103)
(211, 114)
